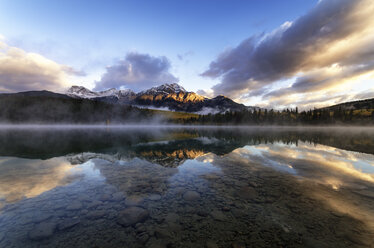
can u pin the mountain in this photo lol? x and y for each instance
(167, 96)
(37, 107)
(82, 92)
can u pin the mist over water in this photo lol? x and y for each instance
(175, 186)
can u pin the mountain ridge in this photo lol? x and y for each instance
(36, 107)
(171, 96)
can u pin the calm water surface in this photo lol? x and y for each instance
(187, 187)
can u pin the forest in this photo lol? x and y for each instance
(325, 116)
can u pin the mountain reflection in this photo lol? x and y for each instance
(143, 156)
(49, 143)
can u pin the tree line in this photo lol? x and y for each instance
(287, 117)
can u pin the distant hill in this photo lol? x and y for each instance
(167, 96)
(354, 105)
(26, 94)
(49, 107)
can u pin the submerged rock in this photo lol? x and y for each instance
(156, 243)
(118, 196)
(134, 201)
(41, 217)
(154, 197)
(105, 197)
(191, 196)
(94, 204)
(66, 224)
(75, 205)
(132, 215)
(172, 217)
(42, 231)
(211, 244)
(143, 237)
(97, 214)
(162, 233)
(247, 193)
(218, 215)
(238, 245)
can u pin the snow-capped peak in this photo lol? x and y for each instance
(82, 92)
(109, 92)
(174, 86)
(126, 92)
(164, 89)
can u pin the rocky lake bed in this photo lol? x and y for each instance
(187, 188)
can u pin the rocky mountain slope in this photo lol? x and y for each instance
(167, 96)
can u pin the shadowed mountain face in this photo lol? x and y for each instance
(167, 96)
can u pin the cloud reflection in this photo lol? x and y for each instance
(325, 164)
(339, 179)
(26, 178)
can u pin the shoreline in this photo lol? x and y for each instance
(161, 126)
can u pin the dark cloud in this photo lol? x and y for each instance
(137, 71)
(334, 32)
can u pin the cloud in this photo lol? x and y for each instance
(311, 100)
(306, 101)
(327, 49)
(23, 71)
(365, 95)
(324, 79)
(183, 56)
(208, 93)
(137, 71)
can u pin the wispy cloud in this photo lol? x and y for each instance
(326, 50)
(137, 71)
(183, 56)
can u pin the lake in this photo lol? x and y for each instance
(186, 187)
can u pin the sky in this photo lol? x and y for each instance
(267, 53)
